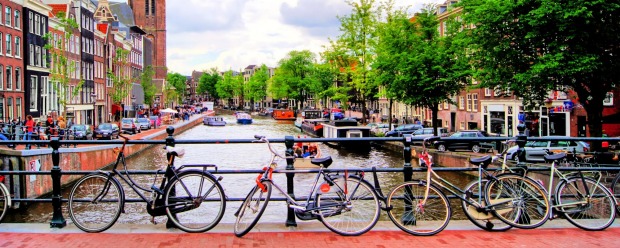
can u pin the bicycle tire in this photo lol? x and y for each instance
(4, 200)
(419, 220)
(518, 201)
(615, 190)
(600, 210)
(95, 217)
(355, 217)
(247, 216)
(195, 201)
(485, 221)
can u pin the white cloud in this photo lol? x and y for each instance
(232, 34)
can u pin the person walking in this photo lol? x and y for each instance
(29, 130)
(62, 125)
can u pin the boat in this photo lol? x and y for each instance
(347, 128)
(313, 127)
(308, 114)
(214, 121)
(243, 118)
(284, 114)
(304, 153)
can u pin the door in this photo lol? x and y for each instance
(453, 121)
(544, 126)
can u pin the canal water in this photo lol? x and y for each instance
(242, 156)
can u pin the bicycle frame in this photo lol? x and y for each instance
(563, 177)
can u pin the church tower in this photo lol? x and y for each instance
(150, 15)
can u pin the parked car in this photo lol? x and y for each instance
(130, 125)
(155, 121)
(428, 132)
(536, 150)
(80, 132)
(144, 123)
(107, 131)
(473, 145)
(403, 129)
(379, 128)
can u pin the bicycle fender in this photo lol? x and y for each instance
(8, 193)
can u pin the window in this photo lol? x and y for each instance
(37, 24)
(1, 77)
(7, 16)
(445, 105)
(33, 92)
(8, 44)
(9, 105)
(487, 91)
(1, 108)
(475, 100)
(43, 26)
(469, 103)
(152, 7)
(9, 78)
(18, 47)
(18, 104)
(31, 61)
(18, 79)
(44, 58)
(146, 7)
(31, 21)
(37, 56)
(18, 20)
(1, 44)
(461, 102)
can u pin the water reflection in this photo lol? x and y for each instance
(242, 156)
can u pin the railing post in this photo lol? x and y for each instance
(521, 140)
(407, 169)
(169, 142)
(289, 141)
(57, 219)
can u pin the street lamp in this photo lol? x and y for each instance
(133, 104)
(94, 99)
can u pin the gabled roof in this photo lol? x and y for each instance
(250, 67)
(123, 13)
(57, 8)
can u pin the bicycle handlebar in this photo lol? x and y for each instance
(264, 139)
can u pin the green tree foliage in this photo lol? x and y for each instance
(120, 76)
(61, 66)
(418, 66)
(257, 86)
(177, 81)
(208, 81)
(146, 80)
(294, 77)
(531, 47)
(230, 86)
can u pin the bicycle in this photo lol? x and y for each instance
(582, 200)
(345, 204)
(420, 207)
(187, 195)
(5, 198)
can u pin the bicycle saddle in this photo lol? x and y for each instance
(326, 161)
(481, 161)
(554, 157)
(175, 151)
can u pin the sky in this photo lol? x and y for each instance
(232, 34)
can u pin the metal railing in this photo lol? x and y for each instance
(407, 170)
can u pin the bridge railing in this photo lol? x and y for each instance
(407, 170)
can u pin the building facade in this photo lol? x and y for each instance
(11, 61)
(150, 15)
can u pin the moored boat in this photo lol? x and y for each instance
(243, 118)
(213, 121)
(347, 129)
(308, 114)
(283, 114)
(313, 127)
(304, 153)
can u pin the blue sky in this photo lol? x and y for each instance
(232, 34)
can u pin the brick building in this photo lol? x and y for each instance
(150, 15)
(11, 61)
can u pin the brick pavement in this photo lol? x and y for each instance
(565, 237)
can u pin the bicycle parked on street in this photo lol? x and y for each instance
(5, 198)
(189, 195)
(345, 204)
(420, 207)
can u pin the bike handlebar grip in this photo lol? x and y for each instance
(258, 136)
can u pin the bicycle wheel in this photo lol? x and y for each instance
(351, 217)
(615, 190)
(518, 201)
(486, 221)
(411, 216)
(195, 201)
(252, 208)
(4, 200)
(95, 203)
(592, 209)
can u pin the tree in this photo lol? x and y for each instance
(120, 75)
(230, 86)
(61, 66)
(293, 78)
(420, 67)
(531, 47)
(207, 83)
(146, 80)
(176, 82)
(257, 86)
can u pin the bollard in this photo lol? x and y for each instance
(169, 142)
(289, 141)
(57, 219)
(521, 140)
(407, 175)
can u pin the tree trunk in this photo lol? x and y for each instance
(594, 110)
(390, 113)
(435, 110)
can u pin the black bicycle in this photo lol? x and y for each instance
(189, 195)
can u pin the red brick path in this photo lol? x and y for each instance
(566, 237)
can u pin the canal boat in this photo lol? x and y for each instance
(313, 127)
(308, 114)
(284, 114)
(243, 118)
(304, 153)
(216, 121)
(347, 128)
